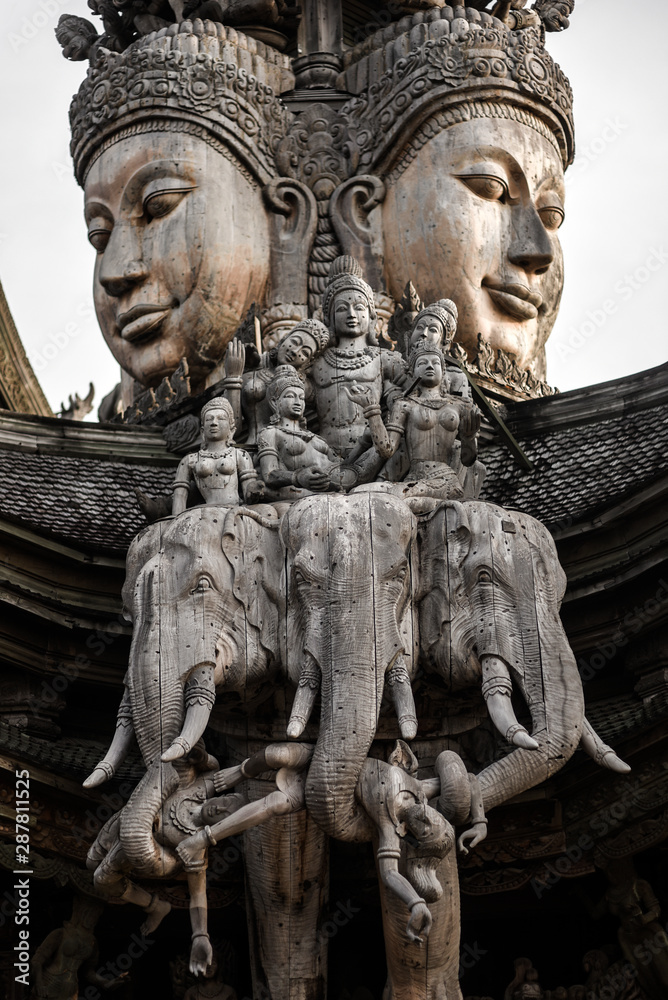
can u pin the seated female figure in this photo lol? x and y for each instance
(293, 461)
(431, 436)
(219, 470)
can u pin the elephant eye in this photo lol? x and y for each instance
(484, 576)
(202, 585)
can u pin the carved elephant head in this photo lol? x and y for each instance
(490, 591)
(349, 624)
(201, 591)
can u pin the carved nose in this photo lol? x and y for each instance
(122, 264)
(531, 247)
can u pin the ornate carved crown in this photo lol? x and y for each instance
(442, 62)
(197, 72)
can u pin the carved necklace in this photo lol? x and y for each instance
(216, 454)
(433, 404)
(335, 357)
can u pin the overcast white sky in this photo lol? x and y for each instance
(615, 236)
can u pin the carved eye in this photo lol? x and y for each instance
(163, 202)
(551, 217)
(484, 576)
(202, 586)
(487, 186)
(98, 237)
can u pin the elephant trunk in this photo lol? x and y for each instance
(147, 857)
(352, 691)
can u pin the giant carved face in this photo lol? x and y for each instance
(182, 243)
(474, 217)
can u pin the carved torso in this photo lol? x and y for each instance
(216, 473)
(342, 422)
(430, 429)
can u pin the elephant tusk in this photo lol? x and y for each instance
(307, 690)
(497, 688)
(604, 755)
(200, 696)
(118, 750)
(401, 692)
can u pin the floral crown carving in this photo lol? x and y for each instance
(436, 61)
(196, 72)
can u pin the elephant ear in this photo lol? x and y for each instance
(252, 546)
(143, 547)
(402, 756)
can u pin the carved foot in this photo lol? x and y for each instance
(191, 850)
(156, 912)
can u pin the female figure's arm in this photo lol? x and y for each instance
(386, 439)
(419, 922)
(181, 485)
(251, 487)
(235, 359)
(469, 428)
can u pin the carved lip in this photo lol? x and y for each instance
(141, 321)
(513, 298)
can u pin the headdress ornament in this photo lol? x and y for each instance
(219, 403)
(286, 377)
(461, 63)
(188, 75)
(314, 328)
(345, 275)
(424, 347)
(444, 310)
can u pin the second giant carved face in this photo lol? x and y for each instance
(182, 245)
(475, 216)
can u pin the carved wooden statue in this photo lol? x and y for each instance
(438, 432)
(248, 393)
(69, 953)
(293, 461)
(220, 471)
(372, 557)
